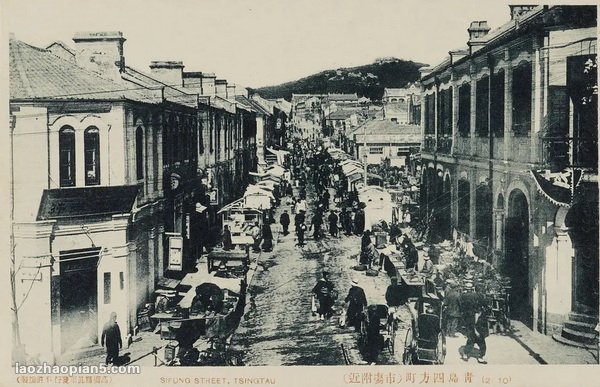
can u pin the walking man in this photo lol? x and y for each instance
(333, 223)
(357, 301)
(317, 221)
(324, 290)
(284, 219)
(300, 230)
(111, 335)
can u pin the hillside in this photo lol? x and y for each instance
(368, 80)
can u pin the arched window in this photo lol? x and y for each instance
(139, 152)
(91, 144)
(66, 144)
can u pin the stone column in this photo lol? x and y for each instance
(508, 133)
(536, 104)
(149, 157)
(472, 198)
(473, 121)
(159, 149)
(152, 258)
(454, 111)
(498, 231)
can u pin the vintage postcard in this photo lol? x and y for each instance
(300, 193)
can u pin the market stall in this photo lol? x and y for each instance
(378, 205)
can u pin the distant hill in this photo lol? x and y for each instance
(368, 80)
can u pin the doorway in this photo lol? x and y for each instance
(78, 298)
(516, 258)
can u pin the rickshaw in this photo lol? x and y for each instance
(425, 340)
(377, 331)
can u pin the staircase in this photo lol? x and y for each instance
(579, 331)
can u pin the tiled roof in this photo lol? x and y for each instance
(341, 114)
(408, 133)
(36, 73)
(342, 97)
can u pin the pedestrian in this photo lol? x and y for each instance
(477, 330)
(452, 303)
(293, 205)
(284, 219)
(356, 301)
(255, 233)
(359, 221)
(300, 230)
(365, 240)
(348, 227)
(369, 255)
(111, 337)
(333, 223)
(428, 267)
(227, 242)
(317, 221)
(395, 295)
(325, 292)
(267, 237)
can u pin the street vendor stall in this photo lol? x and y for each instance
(378, 205)
(240, 217)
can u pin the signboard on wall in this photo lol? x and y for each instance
(175, 252)
(214, 196)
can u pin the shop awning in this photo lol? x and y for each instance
(86, 201)
(557, 186)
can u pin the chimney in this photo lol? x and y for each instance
(456, 55)
(221, 88)
(208, 84)
(425, 71)
(193, 81)
(168, 72)
(231, 91)
(477, 31)
(101, 52)
(517, 11)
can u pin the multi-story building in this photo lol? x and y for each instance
(510, 158)
(377, 140)
(111, 174)
(403, 105)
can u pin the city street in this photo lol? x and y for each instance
(278, 328)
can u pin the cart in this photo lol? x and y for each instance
(377, 331)
(425, 341)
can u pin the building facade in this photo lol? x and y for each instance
(509, 154)
(114, 173)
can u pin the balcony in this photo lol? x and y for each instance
(429, 143)
(563, 152)
(444, 144)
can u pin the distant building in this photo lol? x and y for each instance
(403, 105)
(377, 140)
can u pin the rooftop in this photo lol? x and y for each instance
(36, 73)
(387, 128)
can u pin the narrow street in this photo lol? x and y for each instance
(278, 328)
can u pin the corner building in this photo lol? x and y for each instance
(509, 126)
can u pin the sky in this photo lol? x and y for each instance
(258, 43)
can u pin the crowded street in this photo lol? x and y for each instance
(285, 184)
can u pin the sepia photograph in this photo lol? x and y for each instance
(405, 190)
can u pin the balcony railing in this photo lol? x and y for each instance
(562, 152)
(444, 144)
(429, 143)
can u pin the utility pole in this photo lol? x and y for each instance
(365, 152)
